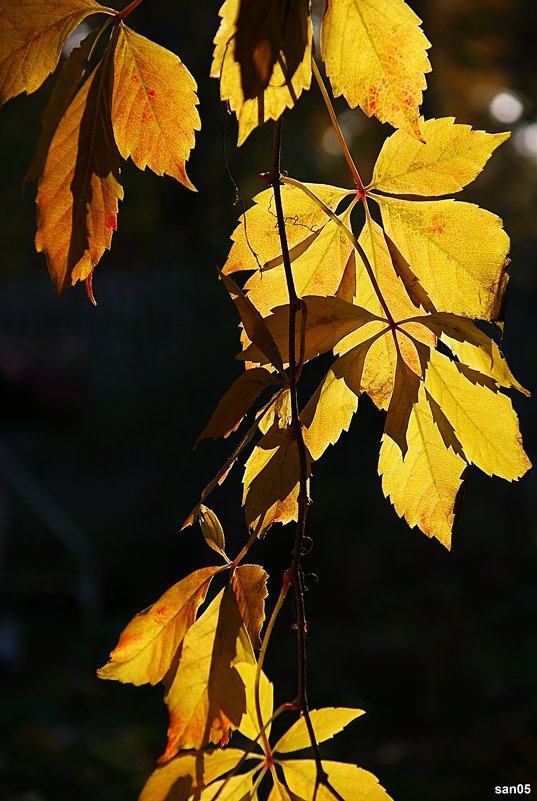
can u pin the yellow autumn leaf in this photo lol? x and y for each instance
(232, 788)
(450, 157)
(256, 240)
(148, 644)
(79, 189)
(423, 485)
(279, 94)
(153, 106)
(206, 697)
(249, 584)
(271, 480)
(375, 55)
(350, 781)
(249, 725)
(32, 36)
(457, 250)
(318, 270)
(327, 414)
(482, 419)
(279, 791)
(196, 769)
(326, 723)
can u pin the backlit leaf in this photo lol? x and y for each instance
(153, 106)
(148, 644)
(249, 725)
(327, 414)
(234, 788)
(350, 781)
(449, 158)
(32, 36)
(236, 402)
(200, 769)
(457, 250)
(279, 94)
(206, 697)
(483, 420)
(423, 484)
(212, 530)
(250, 586)
(256, 240)
(375, 55)
(79, 189)
(326, 723)
(271, 480)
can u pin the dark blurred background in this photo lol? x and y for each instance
(100, 410)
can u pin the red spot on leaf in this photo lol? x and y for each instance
(134, 78)
(160, 611)
(151, 93)
(436, 229)
(111, 222)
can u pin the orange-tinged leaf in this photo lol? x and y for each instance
(271, 480)
(375, 55)
(250, 586)
(449, 158)
(279, 94)
(326, 723)
(457, 250)
(206, 696)
(66, 85)
(153, 106)
(236, 402)
(328, 413)
(148, 645)
(256, 241)
(198, 769)
(483, 420)
(32, 35)
(350, 781)
(78, 192)
(423, 484)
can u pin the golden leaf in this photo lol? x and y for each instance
(250, 587)
(327, 414)
(79, 189)
(153, 106)
(326, 723)
(32, 35)
(281, 92)
(449, 158)
(350, 781)
(148, 645)
(374, 54)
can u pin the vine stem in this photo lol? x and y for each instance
(337, 129)
(294, 573)
(124, 12)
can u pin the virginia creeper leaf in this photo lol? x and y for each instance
(279, 792)
(280, 92)
(79, 189)
(233, 788)
(67, 82)
(404, 396)
(256, 240)
(328, 320)
(327, 414)
(449, 158)
(32, 36)
(148, 644)
(350, 781)
(483, 420)
(212, 530)
(457, 250)
(269, 31)
(254, 325)
(249, 725)
(153, 106)
(423, 484)
(206, 696)
(201, 769)
(236, 402)
(271, 480)
(414, 289)
(250, 586)
(326, 723)
(374, 54)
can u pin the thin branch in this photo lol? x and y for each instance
(124, 12)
